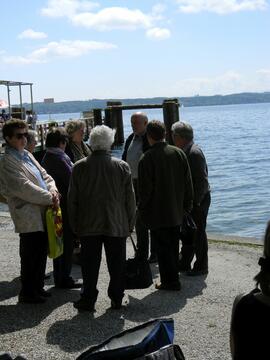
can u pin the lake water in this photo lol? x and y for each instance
(235, 141)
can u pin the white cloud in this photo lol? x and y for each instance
(158, 33)
(227, 83)
(221, 6)
(158, 8)
(31, 34)
(62, 49)
(67, 8)
(263, 72)
(113, 18)
(80, 13)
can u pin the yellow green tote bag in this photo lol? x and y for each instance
(55, 232)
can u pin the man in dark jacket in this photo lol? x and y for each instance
(165, 193)
(137, 144)
(183, 139)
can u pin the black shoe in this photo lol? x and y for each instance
(153, 259)
(34, 299)
(84, 305)
(44, 293)
(70, 284)
(197, 272)
(175, 286)
(116, 305)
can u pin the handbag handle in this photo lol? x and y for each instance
(133, 244)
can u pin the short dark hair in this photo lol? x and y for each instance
(11, 125)
(56, 136)
(156, 130)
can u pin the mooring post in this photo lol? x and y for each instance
(116, 121)
(97, 117)
(170, 115)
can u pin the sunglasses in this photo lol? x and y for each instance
(20, 135)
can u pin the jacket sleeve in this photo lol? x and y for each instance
(189, 193)
(15, 183)
(199, 174)
(145, 183)
(46, 177)
(72, 200)
(130, 200)
(126, 146)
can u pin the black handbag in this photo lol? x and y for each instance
(138, 272)
(188, 230)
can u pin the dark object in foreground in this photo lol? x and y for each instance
(188, 230)
(138, 272)
(151, 340)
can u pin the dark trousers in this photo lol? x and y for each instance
(167, 240)
(142, 234)
(200, 243)
(63, 264)
(91, 252)
(33, 253)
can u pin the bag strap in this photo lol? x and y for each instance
(133, 244)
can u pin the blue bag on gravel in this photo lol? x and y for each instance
(134, 343)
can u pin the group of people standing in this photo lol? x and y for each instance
(102, 198)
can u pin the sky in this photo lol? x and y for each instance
(80, 50)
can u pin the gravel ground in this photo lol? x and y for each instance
(55, 330)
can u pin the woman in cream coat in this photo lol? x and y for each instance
(29, 190)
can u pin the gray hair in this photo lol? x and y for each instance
(31, 136)
(101, 138)
(74, 125)
(184, 130)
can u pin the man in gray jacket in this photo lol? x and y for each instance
(101, 205)
(165, 193)
(183, 139)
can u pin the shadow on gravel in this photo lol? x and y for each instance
(9, 289)
(84, 330)
(23, 316)
(163, 303)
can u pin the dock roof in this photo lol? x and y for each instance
(13, 83)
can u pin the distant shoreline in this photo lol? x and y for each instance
(76, 106)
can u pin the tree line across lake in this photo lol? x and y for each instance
(86, 105)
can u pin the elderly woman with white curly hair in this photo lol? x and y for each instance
(101, 206)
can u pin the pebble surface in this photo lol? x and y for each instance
(55, 330)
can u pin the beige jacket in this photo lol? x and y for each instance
(27, 201)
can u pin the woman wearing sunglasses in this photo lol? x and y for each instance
(28, 190)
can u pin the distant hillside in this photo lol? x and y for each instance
(78, 106)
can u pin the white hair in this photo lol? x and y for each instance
(101, 138)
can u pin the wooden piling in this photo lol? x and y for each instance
(115, 119)
(97, 117)
(170, 116)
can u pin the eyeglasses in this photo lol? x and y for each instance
(20, 135)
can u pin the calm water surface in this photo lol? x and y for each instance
(235, 140)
